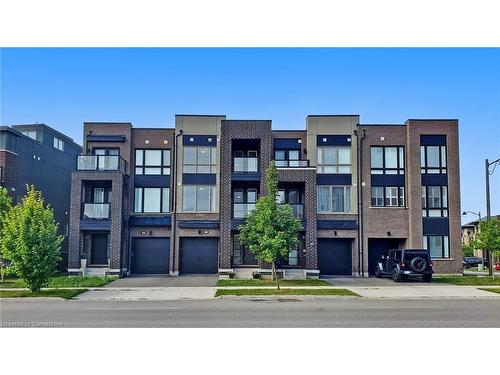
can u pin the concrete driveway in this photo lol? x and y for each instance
(157, 281)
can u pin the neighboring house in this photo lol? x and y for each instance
(470, 231)
(39, 155)
(169, 201)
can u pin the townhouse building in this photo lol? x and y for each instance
(40, 155)
(169, 201)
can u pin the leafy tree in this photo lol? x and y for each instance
(5, 206)
(488, 237)
(271, 229)
(30, 240)
(468, 249)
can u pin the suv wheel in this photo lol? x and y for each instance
(427, 278)
(378, 273)
(396, 277)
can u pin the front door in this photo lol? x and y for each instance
(99, 249)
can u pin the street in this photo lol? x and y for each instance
(255, 312)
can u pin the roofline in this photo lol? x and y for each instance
(9, 129)
(42, 125)
(432, 119)
(194, 115)
(153, 129)
(351, 115)
(382, 125)
(289, 131)
(107, 122)
(239, 119)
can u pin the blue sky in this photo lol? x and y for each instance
(65, 87)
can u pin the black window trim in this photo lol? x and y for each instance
(401, 202)
(425, 168)
(144, 166)
(442, 208)
(401, 163)
(161, 200)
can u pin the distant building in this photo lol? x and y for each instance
(470, 231)
(39, 155)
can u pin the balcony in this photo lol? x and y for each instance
(100, 163)
(95, 211)
(291, 163)
(241, 210)
(297, 209)
(245, 165)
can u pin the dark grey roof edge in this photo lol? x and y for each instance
(45, 126)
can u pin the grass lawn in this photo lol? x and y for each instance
(467, 280)
(284, 292)
(64, 282)
(493, 290)
(62, 293)
(265, 282)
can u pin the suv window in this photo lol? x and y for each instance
(396, 256)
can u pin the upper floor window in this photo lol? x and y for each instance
(152, 200)
(334, 199)
(433, 159)
(30, 133)
(335, 159)
(388, 196)
(106, 151)
(387, 160)
(199, 198)
(200, 159)
(59, 144)
(434, 201)
(288, 158)
(152, 162)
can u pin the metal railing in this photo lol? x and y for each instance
(97, 211)
(291, 163)
(245, 165)
(241, 210)
(100, 163)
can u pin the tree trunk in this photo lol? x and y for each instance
(275, 276)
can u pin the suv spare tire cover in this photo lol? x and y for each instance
(418, 264)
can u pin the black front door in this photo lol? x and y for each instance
(99, 249)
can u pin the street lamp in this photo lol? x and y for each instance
(487, 165)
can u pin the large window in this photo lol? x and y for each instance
(334, 199)
(59, 144)
(387, 160)
(435, 201)
(152, 200)
(433, 159)
(388, 196)
(198, 198)
(152, 162)
(200, 160)
(438, 245)
(334, 160)
(30, 133)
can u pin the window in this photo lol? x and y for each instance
(434, 201)
(200, 160)
(334, 160)
(388, 196)
(244, 200)
(438, 245)
(334, 199)
(293, 257)
(198, 198)
(433, 159)
(59, 144)
(287, 158)
(152, 162)
(387, 160)
(30, 133)
(152, 200)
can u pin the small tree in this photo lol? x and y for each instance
(271, 229)
(5, 206)
(488, 237)
(468, 249)
(30, 240)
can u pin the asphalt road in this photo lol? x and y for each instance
(259, 312)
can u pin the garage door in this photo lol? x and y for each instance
(378, 247)
(334, 256)
(199, 255)
(150, 255)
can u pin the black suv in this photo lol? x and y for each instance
(403, 263)
(473, 262)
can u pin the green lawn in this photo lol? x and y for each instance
(493, 290)
(284, 292)
(64, 282)
(62, 293)
(265, 282)
(467, 280)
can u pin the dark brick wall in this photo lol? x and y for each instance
(8, 162)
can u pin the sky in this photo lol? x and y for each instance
(63, 87)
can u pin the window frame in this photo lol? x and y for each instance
(347, 199)
(442, 157)
(384, 170)
(445, 246)
(140, 169)
(320, 166)
(163, 190)
(212, 198)
(58, 144)
(428, 209)
(401, 199)
(212, 160)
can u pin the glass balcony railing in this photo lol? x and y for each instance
(297, 209)
(246, 165)
(97, 211)
(100, 163)
(241, 210)
(291, 163)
